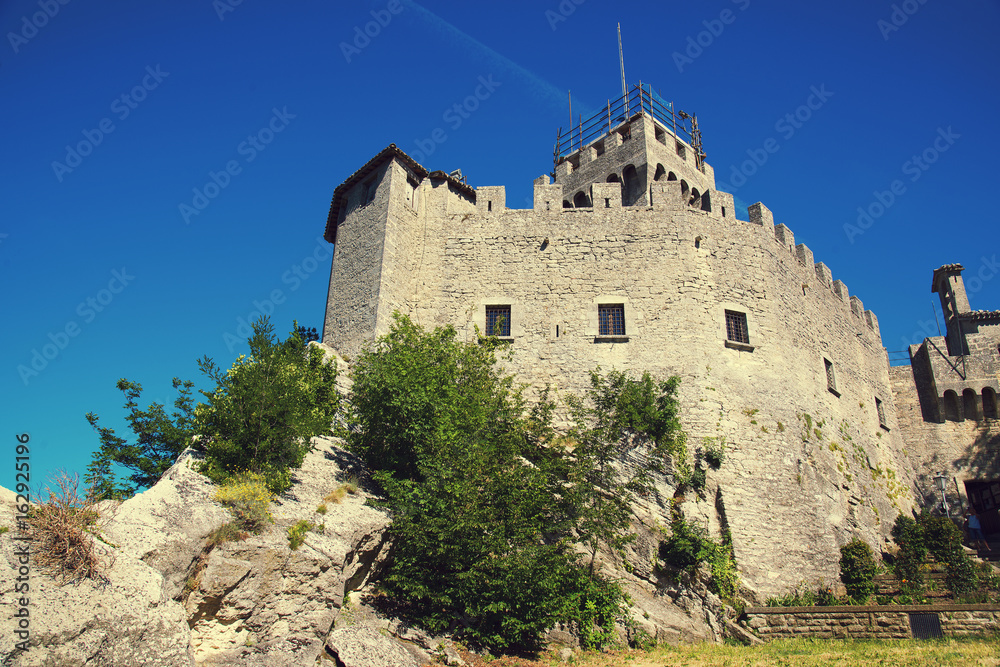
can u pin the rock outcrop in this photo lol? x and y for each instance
(172, 596)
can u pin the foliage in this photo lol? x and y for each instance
(858, 569)
(485, 497)
(689, 546)
(62, 531)
(297, 533)
(805, 596)
(266, 407)
(620, 414)
(307, 335)
(909, 536)
(248, 498)
(159, 439)
(714, 451)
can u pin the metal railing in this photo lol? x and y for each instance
(639, 100)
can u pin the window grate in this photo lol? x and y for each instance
(881, 411)
(925, 626)
(611, 319)
(736, 327)
(498, 320)
(831, 377)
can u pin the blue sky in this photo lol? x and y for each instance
(169, 165)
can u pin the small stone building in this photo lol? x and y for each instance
(631, 259)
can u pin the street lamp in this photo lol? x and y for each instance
(942, 481)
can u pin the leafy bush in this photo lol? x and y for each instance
(297, 534)
(909, 536)
(159, 439)
(266, 407)
(688, 546)
(485, 497)
(858, 569)
(714, 451)
(248, 498)
(62, 531)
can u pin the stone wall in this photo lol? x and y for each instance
(870, 622)
(809, 457)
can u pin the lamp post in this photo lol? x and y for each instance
(942, 481)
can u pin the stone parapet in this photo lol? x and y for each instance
(870, 621)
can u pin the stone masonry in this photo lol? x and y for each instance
(777, 359)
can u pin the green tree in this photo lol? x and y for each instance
(477, 486)
(159, 439)
(620, 414)
(265, 408)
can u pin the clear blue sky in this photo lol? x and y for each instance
(141, 103)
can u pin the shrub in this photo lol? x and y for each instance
(688, 546)
(714, 451)
(909, 536)
(485, 498)
(63, 529)
(248, 498)
(266, 407)
(297, 534)
(858, 569)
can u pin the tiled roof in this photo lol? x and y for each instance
(947, 268)
(390, 151)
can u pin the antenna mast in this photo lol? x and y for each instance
(621, 61)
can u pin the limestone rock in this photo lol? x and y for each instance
(166, 526)
(366, 647)
(124, 621)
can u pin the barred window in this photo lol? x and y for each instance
(881, 412)
(611, 319)
(736, 327)
(831, 377)
(498, 320)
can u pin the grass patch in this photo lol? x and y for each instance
(982, 652)
(349, 487)
(248, 498)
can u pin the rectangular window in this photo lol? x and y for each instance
(831, 377)
(881, 413)
(736, 327)
(498, 321)
(611, 319)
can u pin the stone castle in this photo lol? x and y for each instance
(631, 259)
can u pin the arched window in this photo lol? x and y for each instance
(685, 190)
(581, 200)
(970, 403)
(613, 178)
(695, 198)
(631, 190)
(660, 172)
(671, 176)
(566, 204)
(952, 409)
(989, 403)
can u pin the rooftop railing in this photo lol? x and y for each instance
(640, 100)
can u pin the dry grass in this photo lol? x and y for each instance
(337, 495)
(982, 652)
(63, 530)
